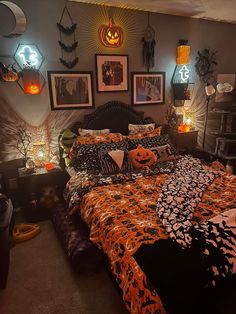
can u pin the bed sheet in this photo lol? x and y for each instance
(122, 217)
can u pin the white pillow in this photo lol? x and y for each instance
(86, 132)
(139, 128)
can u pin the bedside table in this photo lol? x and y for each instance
(40, 191)
(185, 142)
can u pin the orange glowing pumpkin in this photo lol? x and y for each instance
(182, 128)
(111, 35)
(32, 89)
(142, 157)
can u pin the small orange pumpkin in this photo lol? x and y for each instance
(142, 157)
(10, 75)
(111, 35)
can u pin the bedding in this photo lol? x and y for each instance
(138, 128)
(121, 211)
(88, 132)
(155, 132)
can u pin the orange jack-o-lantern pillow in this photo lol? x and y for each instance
(142, 157)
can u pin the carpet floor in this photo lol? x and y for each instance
(41, 282)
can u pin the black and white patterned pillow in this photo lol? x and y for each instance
(86, 156)
(110, 166)
(149, 142)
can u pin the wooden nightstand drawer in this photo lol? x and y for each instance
(185, 141)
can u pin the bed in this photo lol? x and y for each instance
(162, 259)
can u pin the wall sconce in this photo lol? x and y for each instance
(28, 55)
(39, 153)
(31, 81)
(182, 79)
(111, 35)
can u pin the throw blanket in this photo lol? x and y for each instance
(215, 240)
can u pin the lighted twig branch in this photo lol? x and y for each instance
(23, 141)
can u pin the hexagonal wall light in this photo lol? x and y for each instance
(28, 55)
(31, 81)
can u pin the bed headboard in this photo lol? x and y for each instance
(113, 115)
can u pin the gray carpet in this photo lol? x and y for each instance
(41, 282)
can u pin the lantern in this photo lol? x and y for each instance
(39, 153)
(183, 52)
(189, 119)
(111, 35)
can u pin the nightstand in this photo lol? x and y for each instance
(40, 191)
(185, 142)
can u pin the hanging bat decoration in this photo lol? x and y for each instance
(149, 44)
(67, 33)
(67, 30)
(68, 48)
(69, 64)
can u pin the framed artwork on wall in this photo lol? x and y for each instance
(148, 88)
(112, 73)
(70, 90)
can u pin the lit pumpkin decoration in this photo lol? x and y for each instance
(31, 81)
(111, 35)
(142, 157)
(182, 128)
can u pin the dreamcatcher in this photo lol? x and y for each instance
(149, 46)
(66, 32)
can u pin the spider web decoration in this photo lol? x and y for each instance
(66, 32)
(149, 44)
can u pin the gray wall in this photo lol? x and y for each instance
(41, 29)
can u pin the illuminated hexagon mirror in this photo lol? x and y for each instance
(28, 55)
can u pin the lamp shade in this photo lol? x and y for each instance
(224, 88)
(39, 152)
(210, 90)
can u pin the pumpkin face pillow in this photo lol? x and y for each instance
(142, 157)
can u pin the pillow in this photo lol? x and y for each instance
(149, 142)
(66, 140)
(115, 161)
(137, 128)
(163, 153)
(155, 132)
(86, 156)
(142, 157)
(86, 132)
(100, 138)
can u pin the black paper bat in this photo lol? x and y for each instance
(68, 48)
(69, 64)
(66, 30)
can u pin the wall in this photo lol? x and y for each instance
(41, 29)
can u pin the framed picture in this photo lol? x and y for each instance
(148, 88)
(112, 73)
(70, 89)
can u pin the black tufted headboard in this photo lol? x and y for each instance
(113, 115)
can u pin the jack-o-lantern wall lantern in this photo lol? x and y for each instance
(142, 157)
(111, 35)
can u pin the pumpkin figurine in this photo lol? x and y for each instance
(142, 157)
(8, 74)
(111, 35)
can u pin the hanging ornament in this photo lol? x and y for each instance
(66, 32)
(149, 46)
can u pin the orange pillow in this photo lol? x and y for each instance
(100, 138)
(142, 157)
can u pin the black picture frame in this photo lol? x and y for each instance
(148, 88)
(77, 99)
(116, 65)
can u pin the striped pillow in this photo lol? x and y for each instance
(115, 161)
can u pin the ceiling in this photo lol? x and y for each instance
(217, 10)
